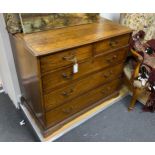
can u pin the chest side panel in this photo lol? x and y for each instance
(28, 71)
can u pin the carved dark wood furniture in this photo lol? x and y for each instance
(131, 75)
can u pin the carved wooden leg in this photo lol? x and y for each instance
(133, 100)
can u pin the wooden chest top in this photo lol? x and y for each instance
(51, 41)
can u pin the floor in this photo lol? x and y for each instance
(10, 129)
(113, 124)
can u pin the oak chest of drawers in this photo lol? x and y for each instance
(52, 91)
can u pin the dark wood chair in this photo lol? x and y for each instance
(131, 77)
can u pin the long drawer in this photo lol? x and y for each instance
(53, 61)
(110, 44)
(64, 94)
(65, 76)
(66, 110)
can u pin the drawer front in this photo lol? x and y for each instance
(112, 43)
(65, 76)
(66, 110)
(77, 88)
(64, 58)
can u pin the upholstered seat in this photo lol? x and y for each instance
(128, 70)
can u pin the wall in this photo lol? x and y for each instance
(0, 80)
(7, 66)
(112, 16)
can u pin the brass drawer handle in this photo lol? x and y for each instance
(67, 93)
(69, 58)
(113, 43)
(114, 58)
(67, 110)
(108, 74)
(105, 91)
(65, 76)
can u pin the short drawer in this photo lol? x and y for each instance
(65, 76)
(62, 95)
(81, 103)
(54, 61)
(112, 43)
